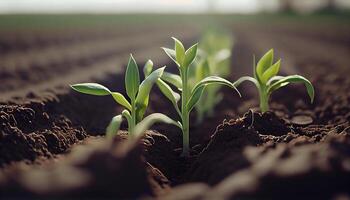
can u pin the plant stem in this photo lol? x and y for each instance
(185, 115)
(133, 118)
(264, 100)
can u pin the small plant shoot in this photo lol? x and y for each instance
(213, 59)
(136, 106)
(267, 81)
(189, 95)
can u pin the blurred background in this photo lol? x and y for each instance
(47, 40)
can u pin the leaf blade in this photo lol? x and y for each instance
(294, 79)
(132, 78)
(144, 91)
(173, 79)
(264, 63)
(215, 80)
(119, 98)
(148, 121)
(180, 51)
(91, 88)
(190, 55)
(271, 71)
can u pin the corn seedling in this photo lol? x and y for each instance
(138, 94)
(212, 60)
(189, 95)
(266, 79)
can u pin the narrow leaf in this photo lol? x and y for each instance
(271, 71)
(173, 79)
(294, 79)
(214, 80)
(171, 54)
(274, 79)
(132, 78)
(147, 69)
(180, 51)
(119, 98)
(91, 88)
(190, 55)
(150, 120)
(264, 63)
(246, 78)
(169, 93)
(144, 90)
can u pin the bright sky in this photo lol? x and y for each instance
(122, 6)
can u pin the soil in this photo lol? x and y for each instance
(52, 143)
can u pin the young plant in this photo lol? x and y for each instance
(266, 79)
(138, 94)
(213, 59)
(189, 95)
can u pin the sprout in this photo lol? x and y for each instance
(189, 95)
(266, 79)
(138, 94)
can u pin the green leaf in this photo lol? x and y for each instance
(172, 54)
(190, 55)
(144, 90)
(246, 78)
(214, 80)
(264, 63)
(169, 93)
(147, 69)
(194, 98)
(100, 90)
(119, 98)
(271, 72)
(128, 117)
(150, 120)
(180, 51)
(293, 79)
(173, 79)
(132, 78)
(91, 88)
(274, 79)
(114, 126)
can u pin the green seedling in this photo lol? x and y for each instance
(189, 95)
(213, 59)
(266, 79)
(138, 94)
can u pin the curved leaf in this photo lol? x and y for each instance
(190, 55)
(293, 79)
(271, 71)
(148, 121)
(144, 90)
(119, 98)
(147, 69)
(264, 63)
(114, 126)
(169, 93)
(180, 51)
(246, 78)
(172, 54)
(274, 79)
(194, 98)
(173, 79)
(132, 78)
(214, 80)
(91, 88)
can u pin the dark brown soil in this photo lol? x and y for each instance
(50, 137)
